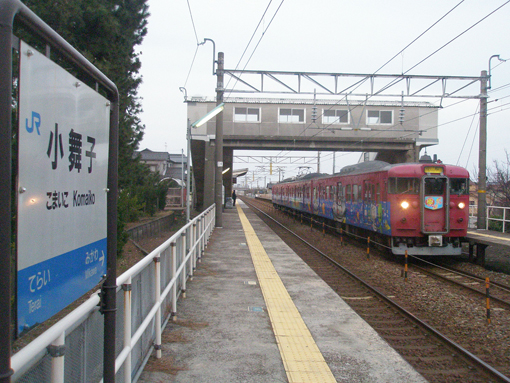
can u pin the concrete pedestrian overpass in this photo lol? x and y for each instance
(395, 131)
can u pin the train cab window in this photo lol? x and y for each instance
(401, 185)
(459, 186)
(435, 186)
(348, 193)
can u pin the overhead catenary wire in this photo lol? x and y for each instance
(472, 144)
(444, 45)
(437, 50)
(192, 21)
(258, 43)
(490, 111)
(387, 62)
(251, 38)
(426, 58)
(467, 135)
(191, 67)
(393, 82)
(198, 43)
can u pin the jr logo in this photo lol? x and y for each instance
(36, 123)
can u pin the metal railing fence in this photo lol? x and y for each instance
(498, 217)
(72, 349)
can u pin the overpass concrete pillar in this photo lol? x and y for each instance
(228, 163)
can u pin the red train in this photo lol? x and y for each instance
(418, 207)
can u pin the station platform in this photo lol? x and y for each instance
(255, 312)
(480, 240)
(489, 237)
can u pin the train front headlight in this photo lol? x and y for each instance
(462, 205)
(404, 205)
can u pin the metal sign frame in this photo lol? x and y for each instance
(9, 10)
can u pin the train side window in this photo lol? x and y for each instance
(459, 186)
(348, 193)
(327, 192)
(403, 185)
(354, 193)
(359, 193)
(377, 193)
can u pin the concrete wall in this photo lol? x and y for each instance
(417, 116)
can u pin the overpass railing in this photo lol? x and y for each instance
(72, 349)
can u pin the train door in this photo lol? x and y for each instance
(315, 198)
(435, 203)
(340, 202)
(365, 208)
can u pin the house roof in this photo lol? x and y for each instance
(175, 173)
(177, 158)
(149, 155)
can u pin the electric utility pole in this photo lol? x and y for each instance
(482, 155)
(219, 143)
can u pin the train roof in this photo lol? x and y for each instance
(304, 177)
(402, 169)
(363, 167)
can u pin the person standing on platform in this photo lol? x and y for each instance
(234, 198)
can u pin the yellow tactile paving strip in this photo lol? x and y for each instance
(490, 236)
(301, 357)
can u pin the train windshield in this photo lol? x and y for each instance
(435, 186)
(459, 186)
(403, 185)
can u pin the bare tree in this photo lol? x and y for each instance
(499, 181)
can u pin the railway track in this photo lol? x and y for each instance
(433, 354)
(499, 292)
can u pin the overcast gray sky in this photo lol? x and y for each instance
(328, 36)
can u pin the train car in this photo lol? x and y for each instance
(421, 208)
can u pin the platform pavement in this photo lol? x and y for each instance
(223, 332)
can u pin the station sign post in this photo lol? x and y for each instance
(61, 189)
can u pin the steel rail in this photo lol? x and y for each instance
(486, 368)
(469, 275)
(445, 278)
